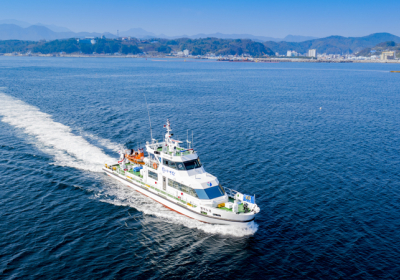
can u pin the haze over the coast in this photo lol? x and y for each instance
(259, 18)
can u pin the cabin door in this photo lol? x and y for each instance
(164, 183)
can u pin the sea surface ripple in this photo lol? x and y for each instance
(319, 145)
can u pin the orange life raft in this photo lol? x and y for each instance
(135, 157)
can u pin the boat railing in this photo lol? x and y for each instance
(231, 193)
(180, 151)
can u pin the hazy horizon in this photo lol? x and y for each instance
(175, 18)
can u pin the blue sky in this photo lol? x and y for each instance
(264, 18)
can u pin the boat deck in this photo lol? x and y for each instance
(240, 208)
(129, 172)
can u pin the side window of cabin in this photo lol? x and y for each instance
(165, 161)
(169, 163)
(171, 183)
(172, 165)
(192, 192)
(182, 188)
(153, 175)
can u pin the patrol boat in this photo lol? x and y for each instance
(174, 176)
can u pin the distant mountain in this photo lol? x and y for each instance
(138, 33)
(295, 38)
(16, 22)
(32, 33)
(36, 33)
(229, 36)
(24, 24)
(289, 38)
(333, 44)
(143, 34)
(13, 29)
(54, 28)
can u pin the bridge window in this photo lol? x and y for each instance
(180, 165)
(211, 193)
(192, 164)
(169, 163)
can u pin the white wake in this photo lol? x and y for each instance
(52, 137)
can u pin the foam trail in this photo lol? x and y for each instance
(105, 142)
(124, 196)
(52, 137)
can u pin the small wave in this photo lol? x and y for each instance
(52, 137)
(123, 196)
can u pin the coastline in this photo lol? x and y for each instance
(255, 60)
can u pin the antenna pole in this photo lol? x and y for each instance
(148, 113)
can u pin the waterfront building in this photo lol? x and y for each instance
(86, 41)
(312, 53)
(186, 52)
(388, 55)
(292, 53)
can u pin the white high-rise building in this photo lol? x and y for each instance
(292, 53)
(185, 52)
(312, 53)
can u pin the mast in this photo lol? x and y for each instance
(148, 113)
(169, 129)
(187, 140)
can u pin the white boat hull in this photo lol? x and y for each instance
(240, 220)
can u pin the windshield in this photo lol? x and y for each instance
(210, 193)
(192, 164)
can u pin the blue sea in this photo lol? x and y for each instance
(319, 145)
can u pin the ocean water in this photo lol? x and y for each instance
(319, 145)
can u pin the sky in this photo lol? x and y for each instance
(276, 18)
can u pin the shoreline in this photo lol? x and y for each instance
(255, 60)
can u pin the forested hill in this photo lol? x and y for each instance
(334, 44)
(329, 45)
(381, 47)
(135, 46)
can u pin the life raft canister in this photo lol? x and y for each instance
(155, 165)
